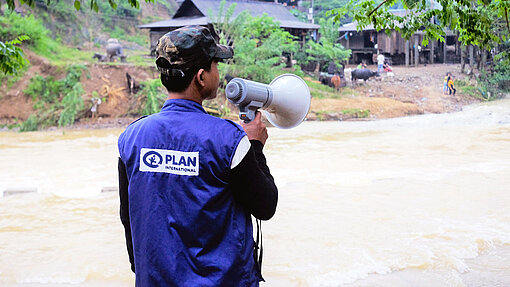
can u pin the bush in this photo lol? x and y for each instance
(151, 97)
(57, 102)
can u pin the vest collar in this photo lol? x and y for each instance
(182, 105)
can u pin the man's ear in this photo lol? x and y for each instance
(200, 77)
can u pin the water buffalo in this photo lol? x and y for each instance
(363, 74)
(113, 49)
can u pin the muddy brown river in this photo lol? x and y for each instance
(415, 201)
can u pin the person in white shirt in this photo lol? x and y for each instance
(380, 63)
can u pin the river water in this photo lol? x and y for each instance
(416, 201)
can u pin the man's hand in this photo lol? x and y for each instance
(256, 129)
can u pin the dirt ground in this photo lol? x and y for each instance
(410, 91)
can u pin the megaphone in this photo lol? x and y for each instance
(285, 101)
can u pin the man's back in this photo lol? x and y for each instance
(187, 228)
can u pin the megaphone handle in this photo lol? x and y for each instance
(247, 113)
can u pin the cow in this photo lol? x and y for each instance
(336, 81)
(363, 74)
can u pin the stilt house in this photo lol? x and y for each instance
(196, 12)
(367, 43)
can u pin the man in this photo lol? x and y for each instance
(380, 63)
(188, 181)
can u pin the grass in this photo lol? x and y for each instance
(466, 88)
(320, 91)
(10, 80)
(357, 113)
(322, 113)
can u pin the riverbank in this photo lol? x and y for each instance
(409, 91)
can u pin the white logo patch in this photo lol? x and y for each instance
(169, 161)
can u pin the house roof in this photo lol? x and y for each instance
(351, 27)
(196, 12)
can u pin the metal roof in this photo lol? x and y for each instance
(178, 22)
(197, 11)
(350, 27)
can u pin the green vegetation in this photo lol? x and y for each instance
(121, 34)
(494, 84)
(258, 42)
(320, 91)
(321, 9)
(151, 97)
(13, 25)
(327, 49)
(357, 113)
(11, 56)
(321, 115)
(56, 102)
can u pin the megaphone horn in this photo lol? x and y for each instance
(285, 101)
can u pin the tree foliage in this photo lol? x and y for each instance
(327, 49)
(259, 48)
(258, 43)
(321, 8)
(11, 56)
(477, 21)
(226, 26)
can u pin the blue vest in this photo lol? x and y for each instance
(187, 229)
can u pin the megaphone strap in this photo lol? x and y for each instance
(258, 252)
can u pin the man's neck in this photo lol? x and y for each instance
(188, 94)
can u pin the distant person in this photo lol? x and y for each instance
(451, 86)
(95, 104)
(361, 66)
(380, 63)
(445, 84)
(387, 68)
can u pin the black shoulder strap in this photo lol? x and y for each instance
(259, 251)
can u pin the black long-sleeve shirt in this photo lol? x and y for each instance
(251, 183)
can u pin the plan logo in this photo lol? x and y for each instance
(169, 161)
(152, 159)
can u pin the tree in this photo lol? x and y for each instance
(259, 47)
(327, 49)
(227, 27)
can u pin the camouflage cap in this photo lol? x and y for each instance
(188, 47)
